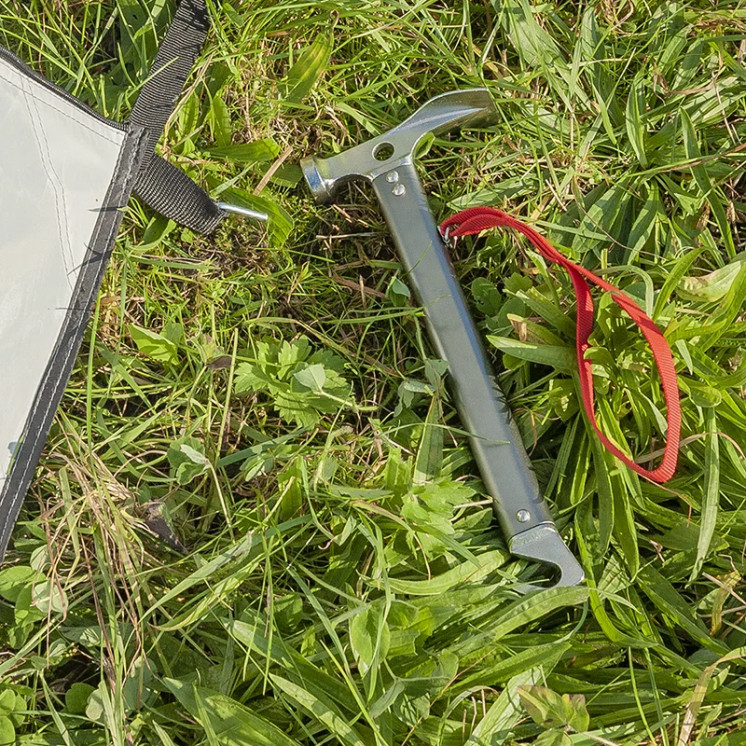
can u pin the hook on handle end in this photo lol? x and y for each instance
(543, 543)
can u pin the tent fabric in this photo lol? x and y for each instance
(66, 174)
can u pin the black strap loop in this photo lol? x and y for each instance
(159, 184)
(169, 191)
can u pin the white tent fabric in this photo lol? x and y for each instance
(56, 164)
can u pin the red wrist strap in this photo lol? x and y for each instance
(478, 219)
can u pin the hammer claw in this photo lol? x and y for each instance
(397, 146)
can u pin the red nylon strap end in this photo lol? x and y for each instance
(478, 219)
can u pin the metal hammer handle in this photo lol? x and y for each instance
(495, 440)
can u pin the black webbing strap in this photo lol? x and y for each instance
(166, 189)
(169, 191)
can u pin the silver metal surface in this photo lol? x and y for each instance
(439, 114)
(245, 212)
(543, 543)
(387, 162)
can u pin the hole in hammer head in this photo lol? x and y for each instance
(383, 151)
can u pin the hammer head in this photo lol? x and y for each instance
(397, 146)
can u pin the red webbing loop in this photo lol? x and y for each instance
(478, 219)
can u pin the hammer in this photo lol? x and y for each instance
(387, 162)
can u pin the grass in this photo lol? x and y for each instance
(257, 521)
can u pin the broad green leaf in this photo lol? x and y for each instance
(624, 525)
(701, 394)
(670, 602)
(221, 121)
(465, 572)
(514, 664)
(603, 466)
(506, 711)
(187, 460)
(188, 115)
(7, 730)
(398, 293)
(411, 710)
(487, 297)
(76, 697)
(704, 182)
(49, 597)
(553, 737)
(435, 372)
(7, 702)
(645, 222)
(622, 497)
(551, 710)
(257, 151)
(313, 377)
(308, 69)
(711, 497)
(543, 705)
(635, 119)
(722, 320)
(287, 175)
(561, 358)
(280, 223)
(321, 710)
(714, 285)
(602, 221)
(429, 461)
(674, 278)
(532, 42)
(548, 310)
(15, 578)
(370, 636)
(154, 345)
(293, 487)
(577, 712)
(397, 473)
(232, 723)
(302, 384)
(136, 687)
(563, 397)
(523, 611)
(99, 704)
